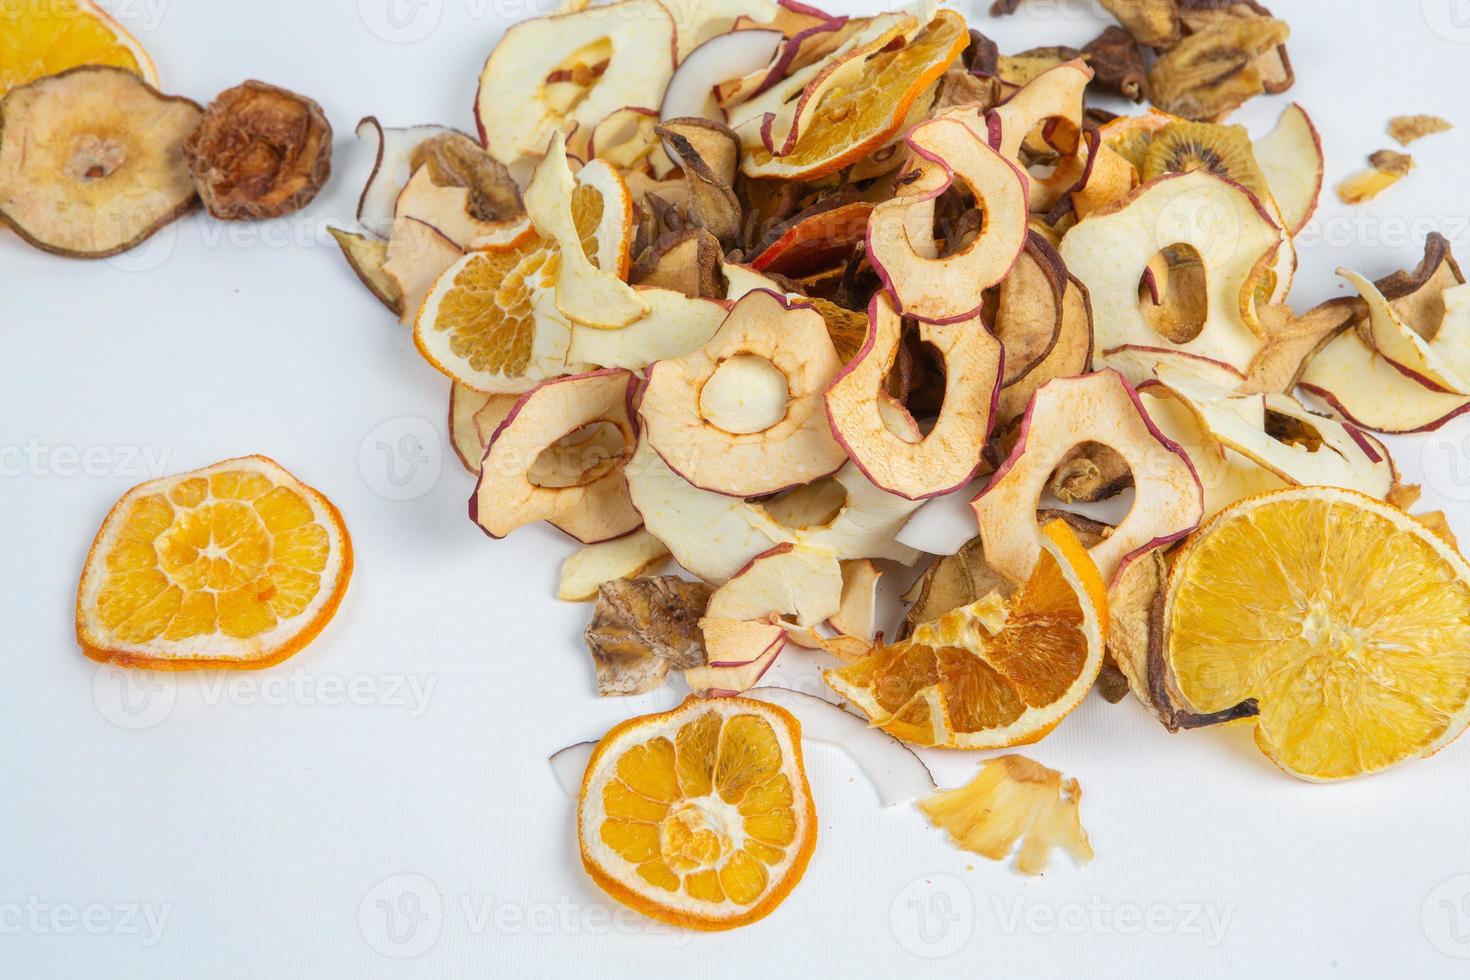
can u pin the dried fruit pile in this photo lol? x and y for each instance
(809, 296)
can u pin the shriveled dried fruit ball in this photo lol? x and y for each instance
(260, 152)
(90, 161)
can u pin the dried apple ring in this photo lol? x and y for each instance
(1064, 413)
(949, 288)
(744, 414)
(1225, 226)
(552, 74)
(949, 455)
(1037, 118)
(559, 457)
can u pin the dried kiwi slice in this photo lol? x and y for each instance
(1224, 151)
(91, 161)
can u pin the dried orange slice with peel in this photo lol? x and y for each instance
(1345, 619)
(234, 565)
(701, 816)
(490, 321)
(997, 672)
(46, 37)
(865, 107)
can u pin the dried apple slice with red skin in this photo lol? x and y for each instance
(1111, 249)
(464, 434)
(950, 288)
(949, 456)
(394, 148)
(723, 679)
(1367, 390)
(1056, 94)
(1102, 408)
(1440, 363)
(823, 238)
(770, 456)
(1029, 308)
(505, 497)
(1291, 159)
(1071, 355)
(635, 38)
(691, 90)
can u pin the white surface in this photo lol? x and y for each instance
(274, 827)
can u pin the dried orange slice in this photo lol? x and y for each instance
(862, 102)
(997, 672)
(1347, 620)
(700, 816)
(491, 321)
(45, 37)
(236, 565)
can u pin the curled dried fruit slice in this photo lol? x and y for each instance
(589, 282)
(236, 565)
(946, 288)
(559, 457)
(551, 74)
(90, 161)
(948, 456)
(416, 255)
(393, 150)
(259, 152)
(1440, 360)
(465, 404)
(997, 672)
(1226, 231)
(719, 59)
(1069, 356)
(1291, 159)
(674, 327)
(47, 37)
(1100, 408)
(1013, 799)
(627, 557)
(367, 256)
(701, 816)
(714, 535)
(1213, 71)
(1043, 119)
(1356, 648)
(743, 415)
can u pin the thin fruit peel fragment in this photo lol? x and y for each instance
(259, 152)
(237, 565)
(1381, 628)
(700, 817)
(641, 629)
(1013, 800)
(91, 161)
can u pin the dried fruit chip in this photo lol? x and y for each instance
(1214, 71)
(237, 565)
(1152, 23)
(700, 817)
(641, 629)
(91, 162)
(1118, 64)
(47, 37)
(1407, 129)
(367, 256)
(585, 572)
(1013, 799)
(259, 152)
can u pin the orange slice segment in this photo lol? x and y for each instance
(237, 565)
(1347, 620)
(862, 112)
(700, 816)
(45, 37)
(997, 672)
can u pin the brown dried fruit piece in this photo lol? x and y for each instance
(1213, 72)
(1274, 65)
(1153, 23)
(455, 160)
(1407, 129)
(644, 627)
(90, 163)
(1117, 64)
(1013, 799)
(1388, 168)
(260, 152)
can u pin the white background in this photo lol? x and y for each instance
(270, 822)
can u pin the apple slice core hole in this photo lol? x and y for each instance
(746, 394)
(580, 457)
(1173, 293)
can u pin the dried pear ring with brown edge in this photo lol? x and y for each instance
(744, 415)
(537, 469)
(1101, 408)
(949, 288)
(948, 457)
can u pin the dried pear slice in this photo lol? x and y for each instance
(91, 161)
(1111, 251)
(553, 74)
(1100, 408)
(743, 415)
(950, 454)
(366, 257)
(522, 478)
